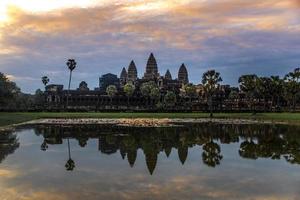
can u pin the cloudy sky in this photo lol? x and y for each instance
(232, 36)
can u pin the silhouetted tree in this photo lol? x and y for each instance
(39, 98)
(9, 93)
(155, 94)
(264, 88)
(277, 90)
(248, 85)
(150, 91)
(190, 92)
(129, 89)
(71, 63)
(292, 86)
(170, 99)
(210, 81)
(45, 80)
(111, 91)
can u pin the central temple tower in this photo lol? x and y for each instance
(132, 72)
(183, 76)
(151, 68)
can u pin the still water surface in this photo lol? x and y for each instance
(197, 161)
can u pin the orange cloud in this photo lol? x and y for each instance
(138, 24)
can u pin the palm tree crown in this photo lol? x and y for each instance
(45, 80)
(210, 80)
(71, 63)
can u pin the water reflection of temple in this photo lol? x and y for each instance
(263, 141)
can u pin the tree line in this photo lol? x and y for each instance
(270, 93)
(254, 93)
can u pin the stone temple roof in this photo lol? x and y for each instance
(168, 75)
(183, 69)
(123, 74)
(151, 68)
(183, 74)
(132, 71)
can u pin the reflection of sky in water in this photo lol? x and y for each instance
(30, 173)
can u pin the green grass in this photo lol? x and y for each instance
(14, 118)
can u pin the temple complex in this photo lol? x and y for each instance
(165, 82)
(85, 98)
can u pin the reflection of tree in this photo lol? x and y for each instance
(44, 145)
(293, 153)
(271, 147)
(293, 158)
(211, 154)
(248, 150)
(39, 130)
(271, 143)
(8, 144)
(70, 165)
(82, 140)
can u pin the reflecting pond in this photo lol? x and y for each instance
(194, 161)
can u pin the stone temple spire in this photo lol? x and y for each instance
(183, 75)
(168, 75)
(151, 68)
(123, 76)
(132, 72)
(151, 160)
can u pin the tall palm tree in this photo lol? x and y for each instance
(71, 63)
(45, 81)
(210, 81)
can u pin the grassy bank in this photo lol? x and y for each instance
(14, 118)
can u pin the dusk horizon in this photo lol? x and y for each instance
(233, 37)
(150, 99)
